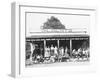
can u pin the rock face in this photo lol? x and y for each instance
(53, 23)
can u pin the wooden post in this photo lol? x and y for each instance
(58, 43)
(44, 46)
(70, 47)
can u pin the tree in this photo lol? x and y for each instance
(53, 23)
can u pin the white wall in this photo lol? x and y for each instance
(5, 39)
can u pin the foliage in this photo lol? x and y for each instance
(53, 23)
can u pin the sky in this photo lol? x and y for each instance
(35, 21)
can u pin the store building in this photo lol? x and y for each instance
(72, 40)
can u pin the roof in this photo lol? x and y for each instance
(57, 36)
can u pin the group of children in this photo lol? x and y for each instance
(54, 54)
(82, 53)
(54, 51)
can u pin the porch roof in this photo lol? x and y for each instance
(56, 36)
